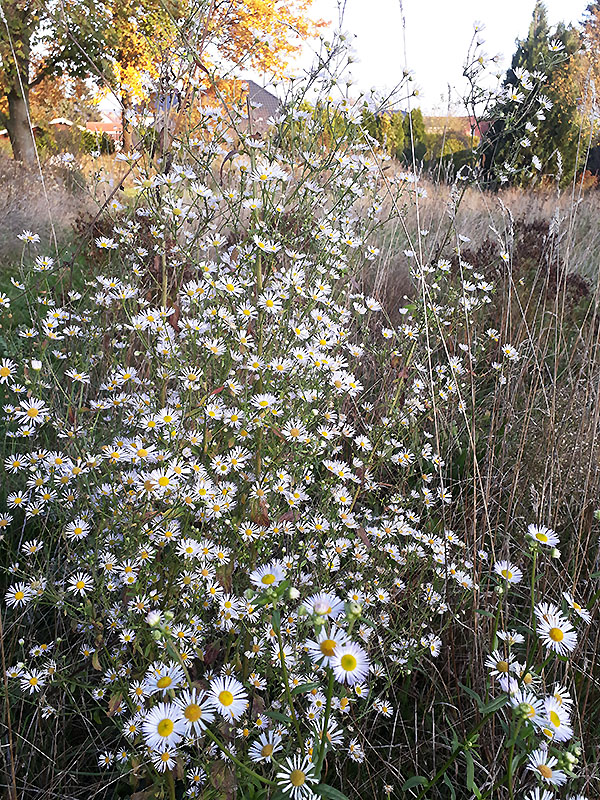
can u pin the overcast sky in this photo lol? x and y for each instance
(437, 34)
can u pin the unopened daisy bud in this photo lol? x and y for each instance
(523, 710)
(271, 595)
(302, 611)
(169, 615)
(555, 552)
(320, 621)
(354, 610)
(249, 594)
(36, 364)
(153, 618)
(293, 593)
(156, 635)
(597, 514)
(500, 589)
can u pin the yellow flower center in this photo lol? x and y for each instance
(163, 481)
(163, 682)
(165, 727)
(4, 371)
(193, 712)
(297, 777)
(328, 647)
(506, 573)
(267, 750)
(556, 634)
(19, 595)
(555, 719)
(541, 537)
(32, 412)
(80, 584)
(348, 662)
(225, 698)
(502, 666)
(268, 579)
(545, 771)
(142, 452)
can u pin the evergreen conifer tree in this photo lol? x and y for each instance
(541, 137)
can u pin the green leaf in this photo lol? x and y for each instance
(455, 742)
(472, 694)
(494, 704)
(328, 791)
(485, 613)
(278, 716)
(450, 785)
(416, 780)
(305, 687)
(470, 770)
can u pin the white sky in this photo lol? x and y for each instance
(438, 33)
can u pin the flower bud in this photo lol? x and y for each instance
(354, 610)
(153, 618)
(319, 621)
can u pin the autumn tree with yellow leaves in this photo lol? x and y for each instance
(126, 45)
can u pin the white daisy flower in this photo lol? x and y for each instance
(229, 696)
(163, 727)
(350, 664)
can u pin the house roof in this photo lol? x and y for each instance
(259, 96)
(108, 127)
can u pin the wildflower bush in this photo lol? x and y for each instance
(251, 542)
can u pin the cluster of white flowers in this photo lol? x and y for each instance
(245, 527)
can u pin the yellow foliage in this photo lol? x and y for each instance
(264, 34)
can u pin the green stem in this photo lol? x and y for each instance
(510, 760)
(171, 785)
(532, 614)
(286, 683)
(235, 760)
(164, 280)
(442, 770)
(389, 411)
(530, 648)
(323, 742)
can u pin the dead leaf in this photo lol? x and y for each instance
(363, 535)
(223, 779)
(114, 703)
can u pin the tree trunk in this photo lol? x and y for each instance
(19, 132)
